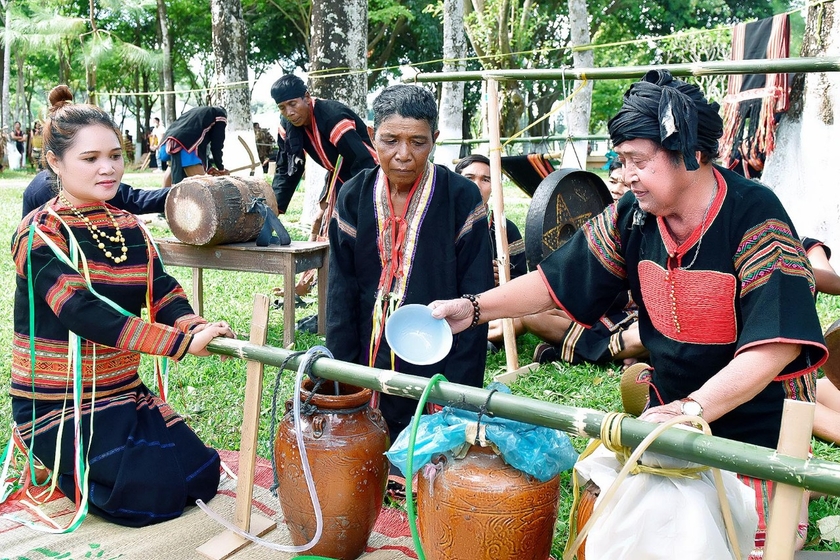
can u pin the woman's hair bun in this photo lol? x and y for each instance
(60, 96)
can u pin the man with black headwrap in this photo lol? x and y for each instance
(724, 288)
(325, 130)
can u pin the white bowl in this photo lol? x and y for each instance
(417, 337)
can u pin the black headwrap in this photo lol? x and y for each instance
(670, 112)
(288, 87)
(285, 88)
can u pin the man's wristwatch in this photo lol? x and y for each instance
(690, 407)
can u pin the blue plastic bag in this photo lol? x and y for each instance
(535, 450)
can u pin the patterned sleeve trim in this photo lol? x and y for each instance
(478, 213)
(766, 248)
(154, 339)
(340, 129)
(517, 247)
(344, 225)
(187, 323)
(604, 241)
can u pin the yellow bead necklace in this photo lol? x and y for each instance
(95, 232)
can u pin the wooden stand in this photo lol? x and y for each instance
(785, 507)
(286, 260)
(227, 543)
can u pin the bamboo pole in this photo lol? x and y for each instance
(725, 67)
(523, 139)
(752, 460)
(498, 202)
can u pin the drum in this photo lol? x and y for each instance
(210, 210)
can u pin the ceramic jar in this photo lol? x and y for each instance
(586, 506)
(480, 508)
(345, 442)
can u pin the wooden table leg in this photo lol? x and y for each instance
(288, 300)
(198, 290)
(323, 274)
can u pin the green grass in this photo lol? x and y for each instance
(209, 393)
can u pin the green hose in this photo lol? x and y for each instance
(409, 465)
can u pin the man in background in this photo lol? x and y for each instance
(331, 134)
(265, 144)
(187, 140)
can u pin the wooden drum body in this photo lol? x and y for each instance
(211, 210)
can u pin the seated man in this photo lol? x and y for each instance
(616, 182)
(614, 337)
(476, 168)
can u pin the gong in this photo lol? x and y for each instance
(563, 201)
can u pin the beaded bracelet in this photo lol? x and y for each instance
(476, 308)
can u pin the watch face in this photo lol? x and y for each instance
(692, 408)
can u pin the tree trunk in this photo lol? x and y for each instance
(168, 100)
(7, 61)
(230, 39)
(20, 90)
(338, 52)
(90, 66)
(452, 93)
(799, 168)
(580, 105)
(338, 44)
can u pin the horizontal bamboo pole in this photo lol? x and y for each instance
(522, 139)
(725, 67)
(752, 460)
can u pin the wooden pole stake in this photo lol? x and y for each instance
(786, 504)
(227, 543)
(498, 201)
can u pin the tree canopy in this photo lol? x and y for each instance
(111, 51)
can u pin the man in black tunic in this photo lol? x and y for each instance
(405, 232)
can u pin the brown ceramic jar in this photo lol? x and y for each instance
(345, 443)
(588, 496)
(480, 508)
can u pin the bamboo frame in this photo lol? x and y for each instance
(522, 139)
(752, 460)
(725, 67)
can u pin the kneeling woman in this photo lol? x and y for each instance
(85, 270)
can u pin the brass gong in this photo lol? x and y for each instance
(563, 201)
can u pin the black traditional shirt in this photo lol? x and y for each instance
(445, 254)
(335, 130)
(749, 284)
(63, 301)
